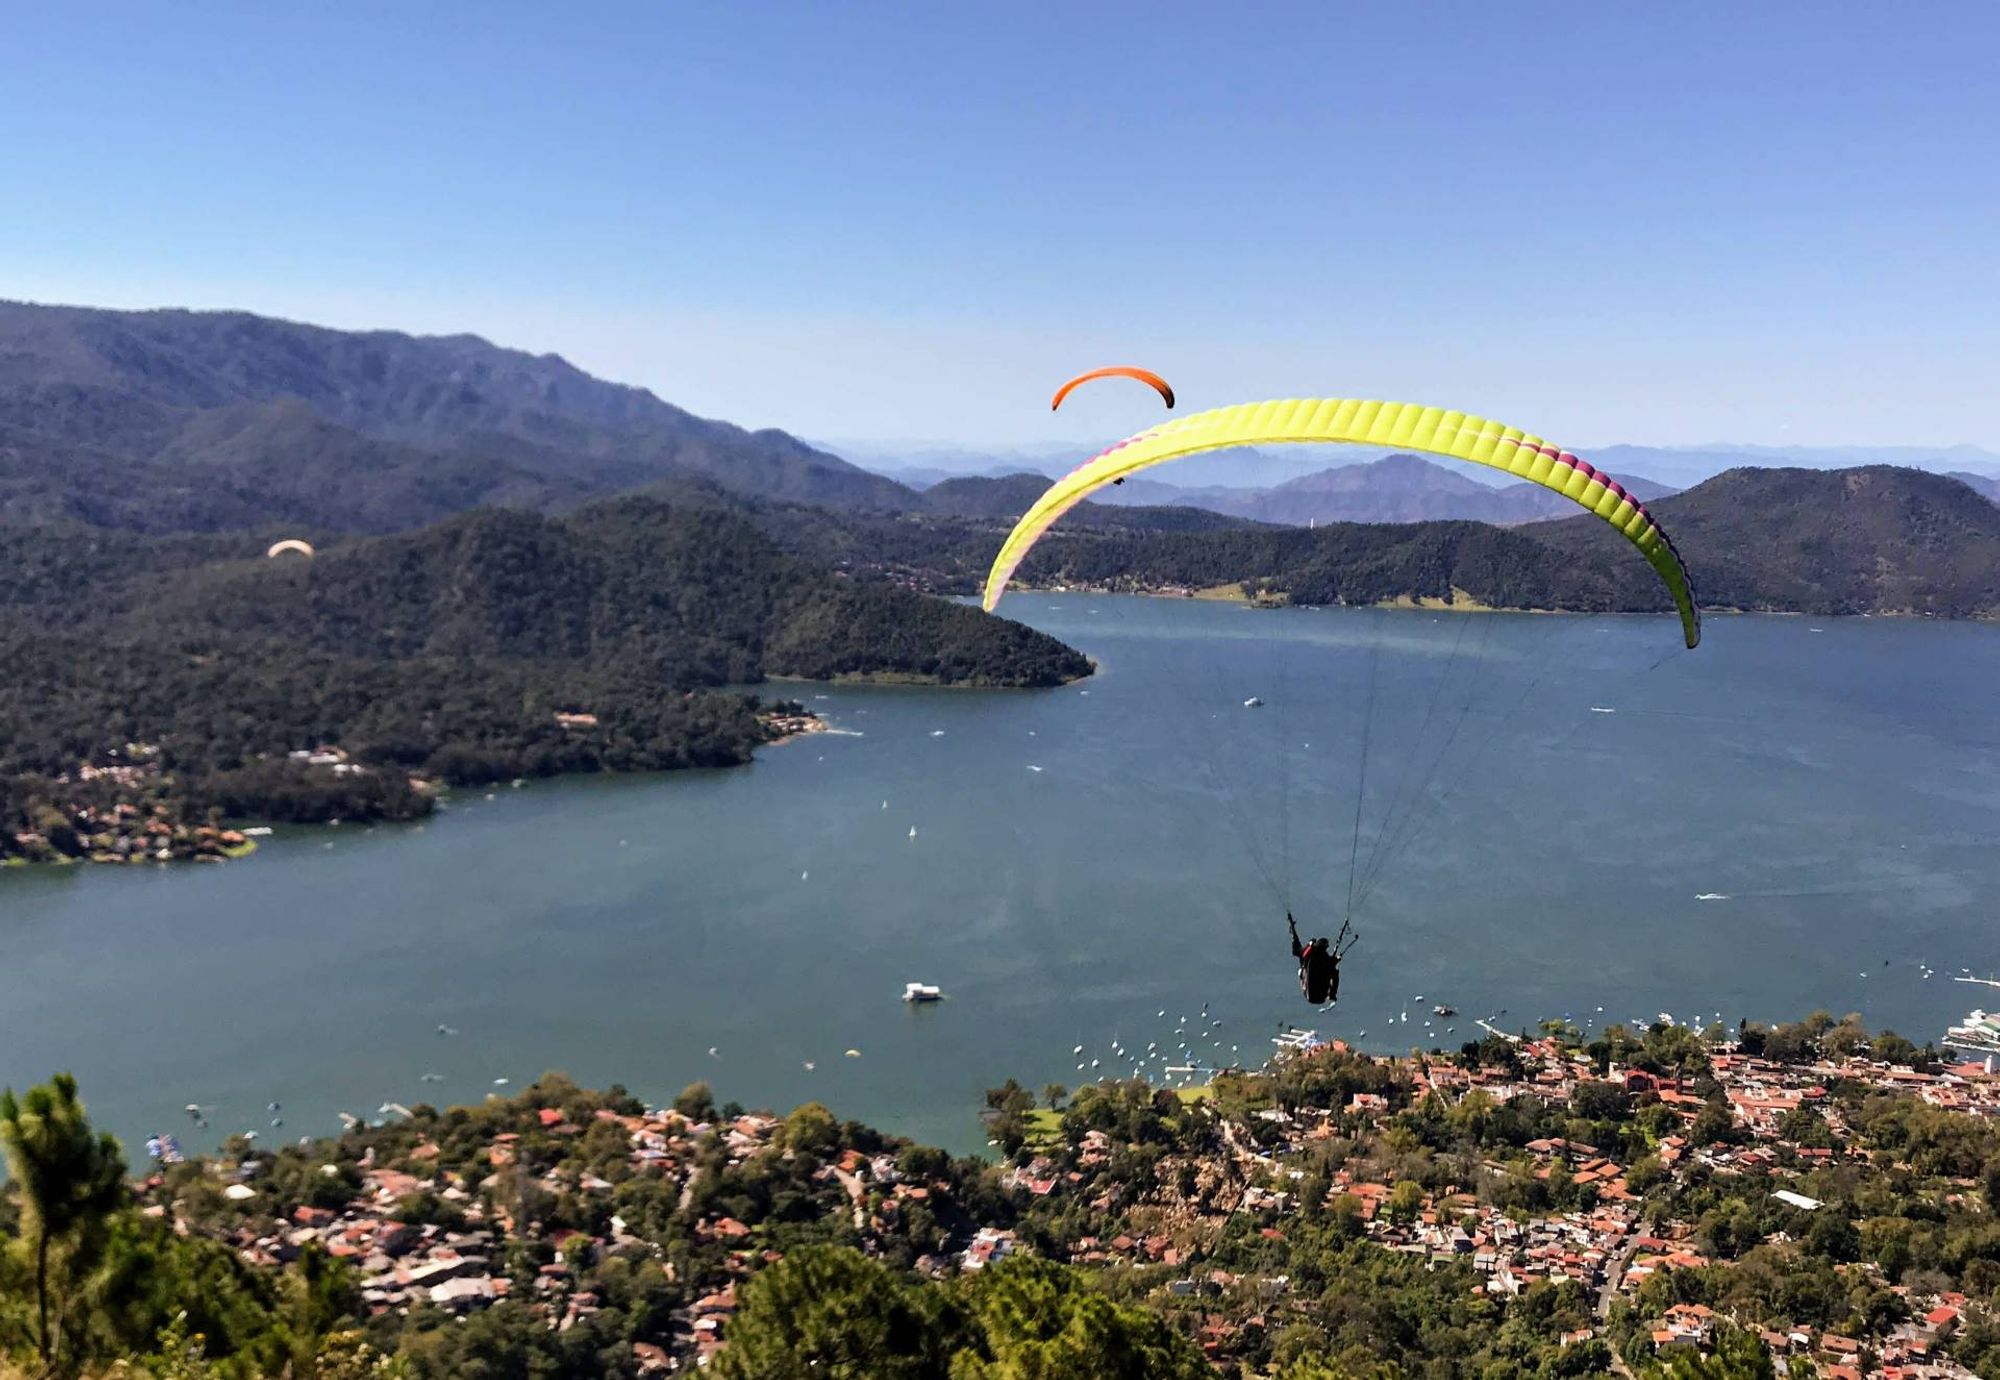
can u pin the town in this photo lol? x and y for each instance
(1726, 1187)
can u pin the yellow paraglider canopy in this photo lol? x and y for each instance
(289, 544)
(1349, 421)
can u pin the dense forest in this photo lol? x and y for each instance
(447, 653)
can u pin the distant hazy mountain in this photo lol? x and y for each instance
(1686, 466)
(1398, 488)
(1671, 467)
(222, 413)
(921, 464)
(1009, 496)
(1979, 483)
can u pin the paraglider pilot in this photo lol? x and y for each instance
(1319, 966)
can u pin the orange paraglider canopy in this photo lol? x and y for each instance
(1117, 371)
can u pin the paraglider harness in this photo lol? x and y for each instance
(1319, 962)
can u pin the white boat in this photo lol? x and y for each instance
(1979, 1034)
(1253, 703)
(921, 991)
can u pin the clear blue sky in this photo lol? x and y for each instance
(1666, 223)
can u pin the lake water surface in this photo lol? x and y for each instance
(1838, 782)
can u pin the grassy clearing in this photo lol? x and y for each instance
(1045, 1126)
(1044, 1130)
(1460, 602)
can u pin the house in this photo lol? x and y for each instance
(463, 1295)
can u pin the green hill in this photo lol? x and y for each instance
(447, 652)
(1877, 539)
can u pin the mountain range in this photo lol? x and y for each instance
(1396, 488)
(174, 422)
(921, 464)
(177, 420)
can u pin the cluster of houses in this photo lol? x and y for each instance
(1607, 1248)
(781, 724)
(1909, 1352)
(129, 833)
(401, 1264)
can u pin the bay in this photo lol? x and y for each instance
(1084, 859)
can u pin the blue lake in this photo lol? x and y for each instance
(1084, 859)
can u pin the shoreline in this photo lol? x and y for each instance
(1411, 603)
(789, 725)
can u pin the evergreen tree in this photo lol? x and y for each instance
(70, 1180)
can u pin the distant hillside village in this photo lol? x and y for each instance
(1540, 1203)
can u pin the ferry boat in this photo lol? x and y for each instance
(1979, 1034)
(922, 991)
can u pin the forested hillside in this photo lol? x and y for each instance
(448, 652)
(1874, 540)
(1877, 539)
